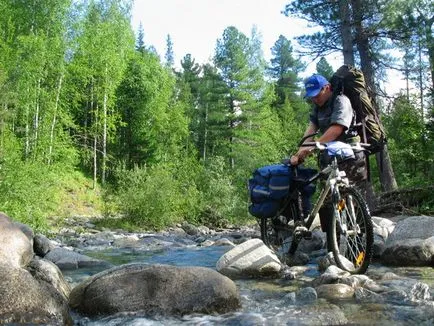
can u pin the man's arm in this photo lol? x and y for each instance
(331, 134)
(302, 152)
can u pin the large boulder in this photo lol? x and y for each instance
(411, 243)
(155, 289)
(32, 290)
(15, 247)
(26, 300)
(252, 258)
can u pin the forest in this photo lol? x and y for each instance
(93, 117)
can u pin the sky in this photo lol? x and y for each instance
(195, 25)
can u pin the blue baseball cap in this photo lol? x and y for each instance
(314, 84)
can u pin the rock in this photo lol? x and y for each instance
(383, 227)
(249, 259)
(298, 259)
(68, 259)
(333, 274)
(314, 315)
(364, 295)
(306, 295)
(411, 243)
(42, 245)
(224, 242)
(25, 300)
(334, 291)
(326, 261)
(317, 242)
(410, 252)
(15, 247)
(160, 289)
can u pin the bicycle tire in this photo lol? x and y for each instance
(274, 231)
(351, 244)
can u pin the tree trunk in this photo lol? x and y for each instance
(53, 122)
(347, 38)
(104, 134)
(205, 134)
(387, 177)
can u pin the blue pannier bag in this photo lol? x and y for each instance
(268, 186)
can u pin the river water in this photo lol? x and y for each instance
(268, 301)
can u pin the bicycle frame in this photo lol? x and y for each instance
(335, 176)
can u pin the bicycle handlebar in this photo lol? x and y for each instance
(323, 146)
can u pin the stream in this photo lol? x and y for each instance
(264, 301)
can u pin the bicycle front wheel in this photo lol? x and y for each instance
(350, 233)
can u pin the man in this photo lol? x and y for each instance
(334, 117)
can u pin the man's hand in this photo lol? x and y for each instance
(302, 153)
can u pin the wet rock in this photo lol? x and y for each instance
(306, 295)
(325, 261)
(363, 295)
(334, 291)
(332, 275)
(313, 315)
(298, 259)
(160, 289)
(249, 259)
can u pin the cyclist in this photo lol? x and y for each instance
(335, 119)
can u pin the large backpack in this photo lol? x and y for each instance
(271, 184)
(350, 81)
(267, 187)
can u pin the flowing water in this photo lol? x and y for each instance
(272, 301)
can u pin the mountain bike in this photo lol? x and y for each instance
(349, 229)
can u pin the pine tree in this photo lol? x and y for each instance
(252, 131)
(169, 56)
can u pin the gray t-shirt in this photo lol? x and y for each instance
(339, 112)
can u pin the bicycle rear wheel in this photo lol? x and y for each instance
(350, 233)
(276, 231)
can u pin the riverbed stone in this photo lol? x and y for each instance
(67, 259)
(317, 314)
(334, 291)
(251, 258)
(156, 289)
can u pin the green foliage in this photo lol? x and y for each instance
(31, 192)
(159, 196)
(410, 145)
(324, 68)
(222, 202)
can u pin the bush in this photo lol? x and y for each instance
(154, 198)
(221, 201)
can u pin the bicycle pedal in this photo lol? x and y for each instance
(307, 235)
(303, 232)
